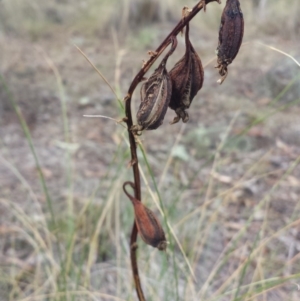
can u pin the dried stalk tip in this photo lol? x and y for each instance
(152, 53)
(187, 78)
(155, 97)
(134, 246)
(124, 119)
(126, 97)
(203, 2)
(204, 5)
(184, 13)
(147, 224)
(230, 36)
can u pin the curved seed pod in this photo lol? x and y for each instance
(155, 96)
(187, 78)
(148, 225)
(230, 36)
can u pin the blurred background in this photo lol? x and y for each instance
(228, 180)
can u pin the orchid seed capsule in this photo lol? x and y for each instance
(155, 96)
(147, 224)
(187, 78)
(230, 36)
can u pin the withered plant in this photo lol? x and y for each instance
(175, 89)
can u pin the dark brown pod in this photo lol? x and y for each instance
(155, 96)
(187, 79)
(230, 36)
(148, 225)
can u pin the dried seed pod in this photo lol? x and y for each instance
(187, 79)
(148, 225)
(230, 36)
(155, 96)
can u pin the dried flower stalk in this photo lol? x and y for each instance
(133, 147)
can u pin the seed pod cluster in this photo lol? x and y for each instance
(178, 88)
(147, 224)
(155, 96)
(187, 79)
(230, 36)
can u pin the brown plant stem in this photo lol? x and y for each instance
(133, 146)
